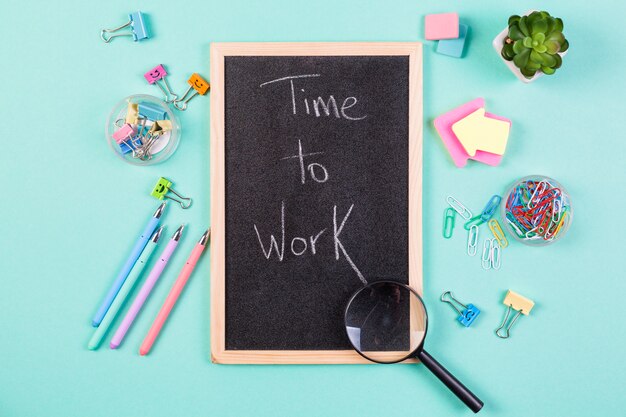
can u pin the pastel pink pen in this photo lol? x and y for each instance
(143, 294)
(174, 294)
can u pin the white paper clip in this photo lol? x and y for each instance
(459, 208)
(472, 240)
(492, 255)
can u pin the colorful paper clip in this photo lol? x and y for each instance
(459, 208)
(198, 84)
(157, 74)
(498, 233)
(137, 25)
(474, 221)
(516, 302)
(449, 216)
(490, 208)
(163, 186)
(466, 316)
(472, 240)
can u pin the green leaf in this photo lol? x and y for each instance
(535, 57)
(556, 36)
(507, 52)
(531, 18)
(559, 60)
(559, 25)
(540, 48)
(518, 47)
(564, 46)
(515, 33)
(552, 47)
(533, 65)
(548, 60)
(539, 26)
(523, 27)
(551, 22)
(521, 59)
(528, 42)
(513, 19)
(548, 70)
(528, 72)
(539, 37)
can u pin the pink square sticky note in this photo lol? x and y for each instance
(444, 123)
(441, 26)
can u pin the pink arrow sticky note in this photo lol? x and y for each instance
(443, 125)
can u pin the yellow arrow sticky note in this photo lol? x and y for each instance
(518, 302)
(479, 133)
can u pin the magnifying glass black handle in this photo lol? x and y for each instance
(453, 384)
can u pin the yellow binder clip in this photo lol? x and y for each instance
(517, 302)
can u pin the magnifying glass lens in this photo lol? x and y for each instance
(386, 322)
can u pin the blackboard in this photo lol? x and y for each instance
(316, 190)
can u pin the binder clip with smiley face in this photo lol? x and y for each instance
(163, 186)
(467, 315)
(196, 83)
(138, 30)
(157, 74)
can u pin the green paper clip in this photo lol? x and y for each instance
(476, 220)
(163, 186)
(449, 216)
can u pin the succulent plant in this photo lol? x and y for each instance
(534, 43)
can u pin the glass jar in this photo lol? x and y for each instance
(537, 210)
(135, 139)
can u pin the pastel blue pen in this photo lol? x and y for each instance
(128, 265)
(128, 286)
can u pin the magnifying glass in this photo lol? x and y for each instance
(386, 322)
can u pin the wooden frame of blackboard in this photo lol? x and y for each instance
(413, 50)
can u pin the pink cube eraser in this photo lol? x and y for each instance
(441, 26)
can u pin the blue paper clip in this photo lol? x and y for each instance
(469, 313)
(152, 112)
(490, 208)
(137, 25)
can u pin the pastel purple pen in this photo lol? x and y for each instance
(145, 290)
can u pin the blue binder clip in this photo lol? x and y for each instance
(137, 29)
(466, 316)
(151, 112)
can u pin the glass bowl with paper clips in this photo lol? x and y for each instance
(537, 210)
(142, 130)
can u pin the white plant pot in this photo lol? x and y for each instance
(497, 45)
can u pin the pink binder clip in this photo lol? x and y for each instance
(157, 74)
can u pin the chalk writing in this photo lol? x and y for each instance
(320, 106)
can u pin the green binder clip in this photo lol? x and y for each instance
(163, 186)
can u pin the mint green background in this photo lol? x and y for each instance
(70, 210)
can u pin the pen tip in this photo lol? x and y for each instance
(113, 345)
(178, 232)
(159, 211)
(157, 234)
(143, 351)
(205, 237)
